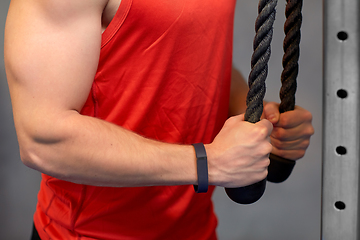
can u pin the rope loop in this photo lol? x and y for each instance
(259, 70)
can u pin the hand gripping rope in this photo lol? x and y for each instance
(280, 168)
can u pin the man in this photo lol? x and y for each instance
(108, 97)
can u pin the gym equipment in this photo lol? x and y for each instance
(341, 141)
(280, 168)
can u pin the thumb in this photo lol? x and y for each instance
(271, 112)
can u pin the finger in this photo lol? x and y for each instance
(289, 154)
(299, 144)
(292, 119)
(271, 112)
(300, 132)
(267, 124)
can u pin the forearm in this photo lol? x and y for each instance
(90, 151)
(52, 54)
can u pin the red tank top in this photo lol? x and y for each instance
(164, 72)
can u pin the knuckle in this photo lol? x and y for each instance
(310, 131)
(266, 162)
(308, 116)
(264, 174)
(230, 120)
(262, 131)
(278, 133)
(301, 153)
(233, 118)
(265, 150)
(268, 148)
(305, 144)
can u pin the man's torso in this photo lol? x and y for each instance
(164, 73)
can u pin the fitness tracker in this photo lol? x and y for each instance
(202, 168)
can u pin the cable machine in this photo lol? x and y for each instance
(341, 150)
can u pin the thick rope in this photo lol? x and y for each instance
(291, 56)
(259, 64)
(259, 70)
(259, 60)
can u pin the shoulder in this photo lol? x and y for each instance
(59, 5)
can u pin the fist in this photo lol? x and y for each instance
(239, 155)
(292, 131)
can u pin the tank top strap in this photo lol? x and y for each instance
(116, 22)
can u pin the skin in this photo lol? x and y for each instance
(52, 49)
(292, 130)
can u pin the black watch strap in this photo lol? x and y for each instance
(202, 168)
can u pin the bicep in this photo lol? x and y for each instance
(51, 53)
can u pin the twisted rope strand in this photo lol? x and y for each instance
(259, 70)
(260, 58)
(291, 54)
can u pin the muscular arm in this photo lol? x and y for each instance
(52, 51)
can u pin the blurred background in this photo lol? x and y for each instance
(287, 211)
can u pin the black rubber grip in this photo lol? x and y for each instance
(279, 169)
(248, 194)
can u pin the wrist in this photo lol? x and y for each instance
(215, 172)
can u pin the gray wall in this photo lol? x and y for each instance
(290, 210)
